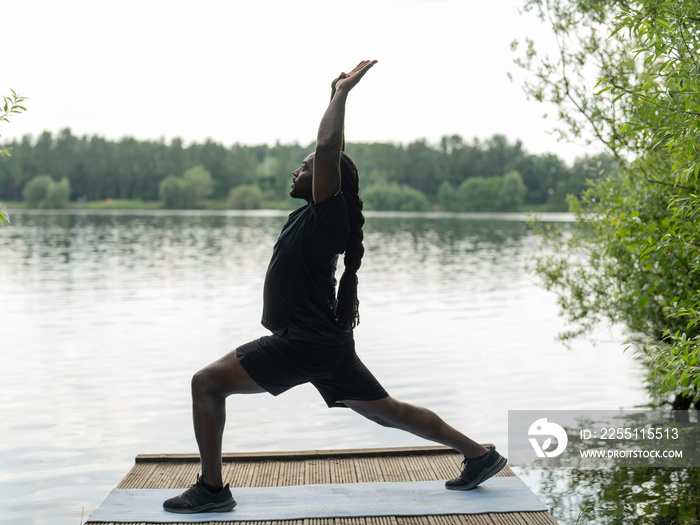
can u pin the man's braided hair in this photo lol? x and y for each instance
(347, 310)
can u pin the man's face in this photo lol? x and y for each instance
(302, 178)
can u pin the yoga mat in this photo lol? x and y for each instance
(498, 494)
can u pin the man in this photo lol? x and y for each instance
(312, 332)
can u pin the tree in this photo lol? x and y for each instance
(57, 194)
(479, 194)
(512, 192)
(540, 174)
(130, 169)
(43, 192)
(422, 168)
(243, 167)
(394, 197)
(185, 192)
(447, 197)
(638, 227)
(196, 185)
(246, 197)
(170, 191)
(500, 156)
(36, 189)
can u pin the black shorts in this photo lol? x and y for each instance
(277, 364)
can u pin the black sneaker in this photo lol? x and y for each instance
(199, 498)
(477, 471)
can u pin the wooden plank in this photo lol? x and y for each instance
(301, 454)
(266, 469)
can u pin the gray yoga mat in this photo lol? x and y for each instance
(498, 494)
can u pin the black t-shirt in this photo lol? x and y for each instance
(299, 291)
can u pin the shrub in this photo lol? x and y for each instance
(512, 192)
(170, 192)
(196, 185)
(246, 197)
(35, 190)
(43, 192)
(479, 194)
(185, 192)
(447, 197)
(57, 194)
(395, 197)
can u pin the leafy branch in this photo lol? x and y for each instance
(10, 105)
(633, 255)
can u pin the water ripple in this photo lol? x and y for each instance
(105, 317)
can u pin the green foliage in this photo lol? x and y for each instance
(99, 169)
(476, 194)
(635, 247)
(246, 197)
(607, 272)
(187, 191)
(170, 191)
(10, 105)
(512, 192)
(197, 184)
(43, 192)
(119, 204)
(394, 197)
(35, 190)
(479, 193)
(57, 195)
(448, 199)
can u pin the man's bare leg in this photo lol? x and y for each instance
(417, 420)
(210, 387)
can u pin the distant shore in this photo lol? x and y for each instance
(128, 204)
(135, 204)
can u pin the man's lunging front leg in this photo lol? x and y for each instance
(209, 417)
(210, 388)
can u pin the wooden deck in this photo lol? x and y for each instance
(327, 466)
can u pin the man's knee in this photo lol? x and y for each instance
(223, 378)
(206, 381)
(199, 382)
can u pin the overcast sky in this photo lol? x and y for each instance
(259, 71)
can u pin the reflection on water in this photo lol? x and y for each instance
(623, 496)
(105, 316)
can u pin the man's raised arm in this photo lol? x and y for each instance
(329, 142)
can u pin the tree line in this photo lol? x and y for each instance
(454, 175)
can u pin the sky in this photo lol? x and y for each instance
(259, 71)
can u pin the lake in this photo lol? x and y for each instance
(104, 318)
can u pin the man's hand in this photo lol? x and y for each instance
(330, 140)
(350, 80)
